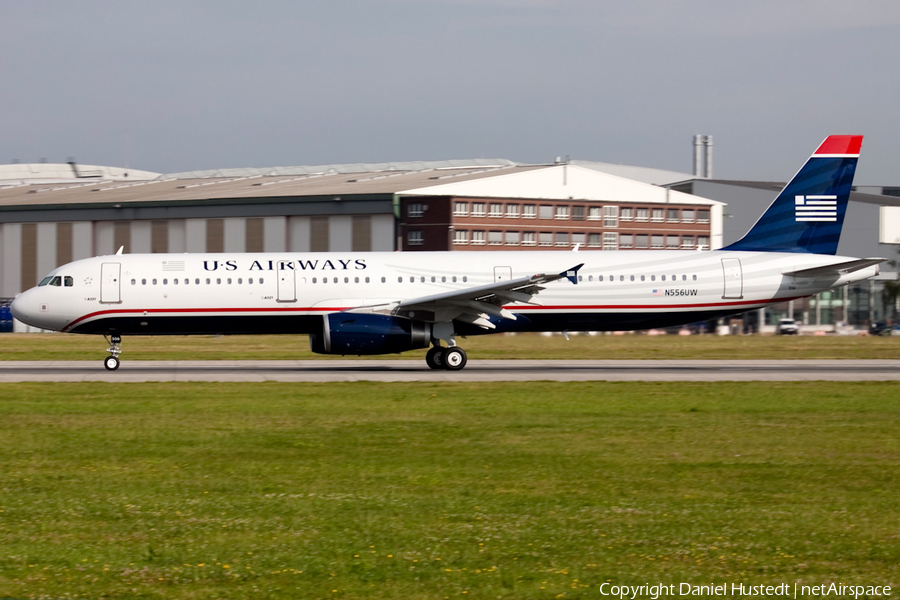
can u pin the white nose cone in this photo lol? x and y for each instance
(26, 309)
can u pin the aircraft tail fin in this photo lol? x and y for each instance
(808, 214)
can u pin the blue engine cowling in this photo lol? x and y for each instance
(360, 333)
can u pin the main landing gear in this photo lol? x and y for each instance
(452, 359)
(111, 362)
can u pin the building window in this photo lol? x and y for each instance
(610, 216)
(641, 240)
(460, 236)
(610, 240)
(702, 242)
(687, 216)
(512, 238)
(496, 211)
(528, 238)
(528, 211)
(415, 209)
(512, 211)
(578, 239)
(578, 213)
(414, 238)
(478, 238)
(671, 242)
(594, 240)
(562, 213)
(626, 240)
(562, 238)
(594, 213)
(460, 209)
(495, 238)
(545, 238)
(703, 216)
(656, 241)
(478, 209)
(687, 242)
(657, 215)
(626, 214)
(641, 214)
(546, 212)
(672, 215)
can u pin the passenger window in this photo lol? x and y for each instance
(335, 279)
(356, 280)
(228, 281)
(412, 279)
(134, 282)
(444, 279)
(154, 282)
(165, 282)
(207, 281)
(143, 282)
(599, 277)
(347, 279)
(68, 281)
(250, 280)
(367, 280)
(454, 279)
(218, 281)
(642, 278)
(313, 279)
(197, 281)
(174, 281)
(465, 279)
(261, 280)
(240, 280)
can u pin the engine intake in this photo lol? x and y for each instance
(361, 333)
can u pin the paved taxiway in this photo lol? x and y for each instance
(477, 370)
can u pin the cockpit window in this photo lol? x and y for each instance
(56, 281)
(45, 281)
(68, 281)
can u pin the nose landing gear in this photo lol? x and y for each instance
(111, 362)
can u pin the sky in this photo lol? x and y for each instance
(171, 86)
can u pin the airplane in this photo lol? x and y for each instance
(389, 302)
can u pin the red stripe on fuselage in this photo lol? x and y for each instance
(569, 307)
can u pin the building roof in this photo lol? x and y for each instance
(477, 178)
(44, 173)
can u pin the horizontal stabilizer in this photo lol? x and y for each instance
(837, 269)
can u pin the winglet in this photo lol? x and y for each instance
(572, 274)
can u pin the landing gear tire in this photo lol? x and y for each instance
(435, 358)
(454, 358)
(111, 363)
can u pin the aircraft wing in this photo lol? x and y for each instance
(838, 269)
(473, 305)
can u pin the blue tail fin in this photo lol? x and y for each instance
(808, 214)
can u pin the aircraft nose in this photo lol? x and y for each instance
(24, 308)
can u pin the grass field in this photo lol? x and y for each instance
(273, 347)
(503, 490)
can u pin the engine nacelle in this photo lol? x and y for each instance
(362, 333)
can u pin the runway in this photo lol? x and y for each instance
(477, 370)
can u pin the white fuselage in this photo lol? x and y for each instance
(288, 292)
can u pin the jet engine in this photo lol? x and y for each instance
(362, 333)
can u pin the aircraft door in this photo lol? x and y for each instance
(734, 282)
(287, 289)
(110, 283)
(502, 274)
